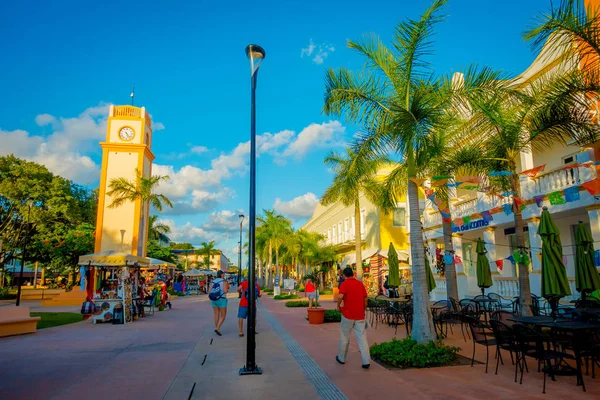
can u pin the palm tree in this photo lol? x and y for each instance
(276, 228)
(354, 176)
(291, 250)
(206, 251)
(309, 249)
(398, 107)
(512, 122)
(142, 188)
(158, 231)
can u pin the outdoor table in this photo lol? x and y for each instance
(593, 311)
(484, 304)
(531, 320)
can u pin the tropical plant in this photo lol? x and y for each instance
(141, 188)
(355, 176)
(408, 353)
(276, 228)
(158, 231)
(206, 251)
(398, 107)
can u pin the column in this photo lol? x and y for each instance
(535, 243)
(489, 238)
(431, 245)
(458, 251)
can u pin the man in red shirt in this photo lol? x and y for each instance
(352, 302)
(243, 308)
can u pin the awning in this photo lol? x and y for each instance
(111, 258)
(208, 272)
(403, 256)
(155, 263)
(192, 272)
(350, 259)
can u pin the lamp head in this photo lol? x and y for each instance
(256, 54)
(241, 216)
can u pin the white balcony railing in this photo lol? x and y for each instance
(440, 285)
(557, 179)
(508, 287)
(464, 208)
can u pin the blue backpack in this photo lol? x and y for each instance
(247, 293)
(216, 292)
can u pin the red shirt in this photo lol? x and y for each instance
(244, 286)
(309, 287)
(354, 299)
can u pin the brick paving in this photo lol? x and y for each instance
(164, 356)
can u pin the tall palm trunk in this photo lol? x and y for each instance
(277, 268)
(450, 269)
(422, 324)
(358, 239)
(270, 266)
(524, 288)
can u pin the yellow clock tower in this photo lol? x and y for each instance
(127, 148)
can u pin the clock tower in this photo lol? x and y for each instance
(127, 148)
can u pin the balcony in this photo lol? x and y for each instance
(558, 179)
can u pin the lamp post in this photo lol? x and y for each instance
(240, 251)
(256, 55)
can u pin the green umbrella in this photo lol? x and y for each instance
(587, 278)
(430, 279)
(554, 274)
(484, 275)
(394, 265)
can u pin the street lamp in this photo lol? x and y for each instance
(26, 226)
(256, 54)
(240, 251)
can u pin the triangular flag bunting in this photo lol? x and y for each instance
(593, 186)
(532, 173)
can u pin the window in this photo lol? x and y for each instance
(568, 160)
(468, 263)
(340, 232)
(353, 229)
(346, 229)
(334, 234)
(329, 235)
(399, 217)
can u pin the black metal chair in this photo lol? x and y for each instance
(505, 340)
(587, 304)
(503, 316)
(483, 335)
(532, 343)
(441, 313)
(149, 303)
(407, 315)
(502, 303)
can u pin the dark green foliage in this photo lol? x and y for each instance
(326, 291)
(301, 303)
(407, 353)
(333, 316)
(286, 297)
(155, 250)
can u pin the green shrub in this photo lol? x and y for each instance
(301, 303)
(6, 295)
(326, 291)
(407, 353)
(286, 297)
(175, 293)
(301, 290)
(333, 316)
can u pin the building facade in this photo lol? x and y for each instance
(559, 185)
(189, 259)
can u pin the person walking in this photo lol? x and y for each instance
(218, 299)
(243, 308)
(311, 293)
(352, 302)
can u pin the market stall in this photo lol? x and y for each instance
(158, 270)
(116, 280)
(192, 279)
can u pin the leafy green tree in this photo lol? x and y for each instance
(141, 188)
(154, 249)
(207, 250)
(181, 246)
(276, 227)
(158, 231)
(398, 107)
(355, 176)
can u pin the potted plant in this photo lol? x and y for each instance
(316, 316)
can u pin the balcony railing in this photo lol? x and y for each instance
(508, 287)
(127, 111)
(440, 285)
(557, 179)
(432, 218)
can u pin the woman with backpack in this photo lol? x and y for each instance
(218, 299)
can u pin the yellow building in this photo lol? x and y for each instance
(189, 260)
(336, 223)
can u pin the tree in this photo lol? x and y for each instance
(398, 107)
(353, 176)
(141, 188)
(181, 246)
(158, 231)
(154, 249)
(276, 227)
(207, 250)
(509, 122)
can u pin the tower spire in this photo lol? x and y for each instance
(132, 95)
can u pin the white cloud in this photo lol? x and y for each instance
(199, 149)
(62, 150)
(321, 51)
(223, 221)
(157, 126)
(198, 201)
(327, 134)
(186, 233)
(299, 207)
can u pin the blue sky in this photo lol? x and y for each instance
(63, 62)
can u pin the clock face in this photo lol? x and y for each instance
(126, 133)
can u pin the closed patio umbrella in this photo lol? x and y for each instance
(430, 279)
(554, 274)
(587, 278)
(394, 266)
(484, 275)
